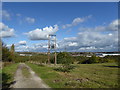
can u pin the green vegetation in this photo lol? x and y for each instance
(0, 71)
(12, 52)
(25, 72)
(94, 59)
(12, 48)
(82, 76)
(21, 58)
(66, 68)
(41, 58)
(71, 72)
(8, 74)
(6, 54)
(47, 74)
(64, 58)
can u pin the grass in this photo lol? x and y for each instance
(25, 72)
(47, 74)
(0, 71)
(103, 75)
(8, 75)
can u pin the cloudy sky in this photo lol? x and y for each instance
(78, 26)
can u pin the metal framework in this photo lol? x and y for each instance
(52, 46)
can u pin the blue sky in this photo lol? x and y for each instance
(71, 20)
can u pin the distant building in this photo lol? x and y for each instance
(25, 54)
(106, 54)
(98, 54)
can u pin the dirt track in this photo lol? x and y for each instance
(33, 81)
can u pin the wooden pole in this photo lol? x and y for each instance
(55, 52)
(48, 49)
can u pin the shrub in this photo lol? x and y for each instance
(111, 59)
(65, 68)
(64, 58)
(91, 60)
(21, 58)
(40, 58)
(82, 59)
(7, 63)
(52, 58)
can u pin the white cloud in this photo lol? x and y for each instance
(76, 21)
(38, 47)
(70, 39)
(5, 14)
(22, 48)
(73, 44)
(33, 48)
(110, 34)
(5, 31)
(42, 34)
(8, 45)
(29, 20)
(99, 38)
(45, 46)
(114, 25)
(22, 42)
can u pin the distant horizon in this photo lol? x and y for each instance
(78, 52)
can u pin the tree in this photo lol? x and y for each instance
(12, 51)
(0, 50)
(64, 58)
(91, 60)
(12, 48)
(6, 55)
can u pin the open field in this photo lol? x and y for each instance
(103, 75)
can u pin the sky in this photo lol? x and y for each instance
(78, 26)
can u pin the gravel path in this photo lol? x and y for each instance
(33, 81)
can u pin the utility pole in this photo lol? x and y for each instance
(55, 51)
(52, 38)
(48, 49)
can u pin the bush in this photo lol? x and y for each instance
(82, 59)
(6, 64)
(21, 58)
(40, 58)
(65, 68)
(64, 58)
(52, 58)
(91, 60)
(105, 59)
(111, 58)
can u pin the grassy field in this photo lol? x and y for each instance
(8, 74)
(103, 75)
